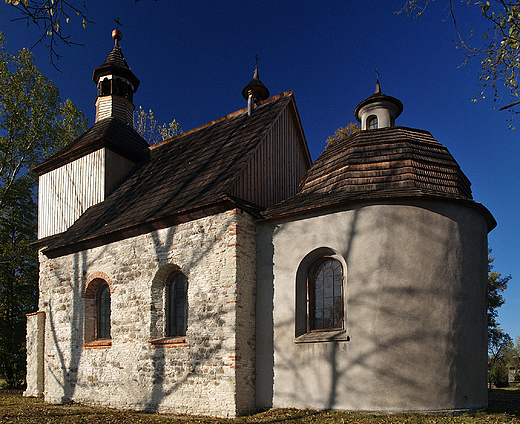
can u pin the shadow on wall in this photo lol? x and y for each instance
(158, 372)
(60, 310)
(402, 314)
(185, 362)
(64, 310)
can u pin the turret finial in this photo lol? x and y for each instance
(117, 36)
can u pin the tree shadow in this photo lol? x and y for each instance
(405, 344)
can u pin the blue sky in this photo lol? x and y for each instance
(193, 59)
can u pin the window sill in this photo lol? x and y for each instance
(166, 342)
(98, 344)
(323, 336)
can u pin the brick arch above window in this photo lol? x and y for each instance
(92, 283)
(158, 305)
(162, 276)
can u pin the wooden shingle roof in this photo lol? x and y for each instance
(115, 64)
(184, 178)
(108, 132)
(387, 163)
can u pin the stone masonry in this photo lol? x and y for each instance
(211, 372)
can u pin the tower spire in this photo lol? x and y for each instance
(378, 86)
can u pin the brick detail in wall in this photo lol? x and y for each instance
(212, 373)
(89, 290)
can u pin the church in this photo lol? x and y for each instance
(222, 272)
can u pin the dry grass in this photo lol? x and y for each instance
(504, 408)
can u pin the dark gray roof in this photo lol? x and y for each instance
(108, 132)
(116, 58)
(115, 64)
(184, 178)
(386, 163)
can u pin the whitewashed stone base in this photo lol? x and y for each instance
(35, 354)
(213, 373)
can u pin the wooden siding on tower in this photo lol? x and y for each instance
(114, 106)
(65, 193)
(68, 191)
(116, 167)
(276, 168)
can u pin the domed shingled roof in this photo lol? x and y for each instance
(388, 163)
(393, 157)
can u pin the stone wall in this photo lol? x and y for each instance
(211, 372)
(35, 354)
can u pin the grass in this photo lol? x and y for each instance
(504, 407)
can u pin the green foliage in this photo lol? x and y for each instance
(33, 122)
(495, 289)
(505, 366)
(153, 132)
(18, 277)
(343, 132)
(499, 342)
(33, 125)
(498, 48)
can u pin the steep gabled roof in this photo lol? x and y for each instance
(184, 178)
(387, 163)
(108, 132)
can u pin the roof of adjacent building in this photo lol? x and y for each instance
(184, 178)
(386, 163)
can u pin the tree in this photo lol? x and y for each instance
(499, 46)
(495, 289)
(343, 132)
(153, 132)
(498, 340)
(33, 125)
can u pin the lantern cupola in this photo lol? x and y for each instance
(378, 111)
(116, 85)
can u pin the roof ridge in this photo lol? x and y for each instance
(288, 93)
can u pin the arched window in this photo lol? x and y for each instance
(103, 315)
(176, 304)
(96, 293)
(372, 123)
(325, 295)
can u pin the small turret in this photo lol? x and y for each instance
(116, 85)
(254, 92)
(378, 111)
